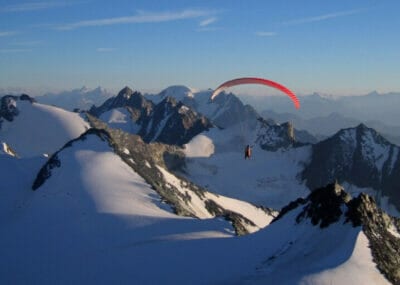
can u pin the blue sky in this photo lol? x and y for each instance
(335, 47)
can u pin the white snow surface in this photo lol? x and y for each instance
(179, 92)
(39, 129)
(6, 150)
(374, 152)
(120, 118)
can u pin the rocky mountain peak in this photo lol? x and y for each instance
(382, 231)
(8, 106)
(274, 136)
(171, 101)
(323, 206)
(126, 98)
(126, 92)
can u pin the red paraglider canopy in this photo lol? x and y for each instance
(255, 80)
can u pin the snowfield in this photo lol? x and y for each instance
(120, 118)
(95, 220)
(268, 178)
(40, 129)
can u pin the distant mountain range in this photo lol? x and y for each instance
(76, 99)
(326, 126)
(320, 115)
(364, 107)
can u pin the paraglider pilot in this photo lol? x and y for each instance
(247, 152)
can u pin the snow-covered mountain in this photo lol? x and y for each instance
(359, 156)
(168, 121)
(32, 129)
(108, 200)
(76, 99)
(109, 207)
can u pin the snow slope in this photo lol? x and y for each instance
(94, 212)
(305, 254)
(39, 129)
(16, 176)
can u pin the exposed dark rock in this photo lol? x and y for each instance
(25, 97)
(172, 122)
(292, 205)
(135, 102)
(385, 247)
(236, 219)
(324, 207)
(45, 171)
(54, 162)
(8, 107)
